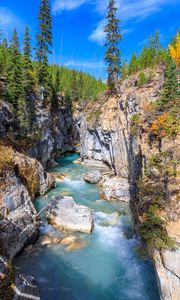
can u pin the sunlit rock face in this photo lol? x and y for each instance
(106, 136)
(64, 213)
(19, 183)
(16, 286)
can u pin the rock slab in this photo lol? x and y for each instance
(65, 214)
(93, 177)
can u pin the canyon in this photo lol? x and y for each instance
(104, 131)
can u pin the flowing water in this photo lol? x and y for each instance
(107, 268)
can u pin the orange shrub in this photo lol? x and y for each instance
(5, 158)
(158, 126)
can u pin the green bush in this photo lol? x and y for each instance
(141, 79)
(153, 231)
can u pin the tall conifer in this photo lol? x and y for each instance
(28, 75)
(15, 90)
(44, 40)
(113, 36)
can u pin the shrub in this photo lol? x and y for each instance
(153, 231)
(5, 158)
(141, 79)
(135, 122)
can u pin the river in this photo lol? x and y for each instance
(107, 268)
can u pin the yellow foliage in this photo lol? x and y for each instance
(175, 51)
(158, 126)
(5, 157)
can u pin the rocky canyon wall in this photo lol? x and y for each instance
(110, 134)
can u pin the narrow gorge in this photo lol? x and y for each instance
(89, 150)
(109, 143)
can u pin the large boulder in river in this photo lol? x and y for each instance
(93, 177)
(65, 214)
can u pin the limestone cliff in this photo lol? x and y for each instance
(117, 131)
(55, 131)
(21, 178)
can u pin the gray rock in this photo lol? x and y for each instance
(65, 214)
(115, 189)
(17, 215)
(18, 286)
(93, 177)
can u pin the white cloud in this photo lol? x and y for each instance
(98, 35)
(84, 64)
(59, 5)
(8, 21)
(128, 10)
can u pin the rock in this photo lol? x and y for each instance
(59, 132)
(107, 219)
(77, 161)
(68, 240)
(115, 189)
(65, 214)
(48, 240)
(167, 269)
(78, 244)
(18, 228)
(23, 179)
(16, 286)
(93, 177)
(60, 177)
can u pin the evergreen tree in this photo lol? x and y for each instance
(15, 91)
(74, 84)
(28, 77)
(57, 81)
(170, 87)
(133, 66)
(28, 74)
(4, 51)
(44, 41)
(113, 36)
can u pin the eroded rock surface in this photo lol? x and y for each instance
(65, 214)
(19, 183)
(115, 189)
(15, 286)
(93, 177)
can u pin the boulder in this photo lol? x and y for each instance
(16, 286)
(65, 214)
(93, 177)
(115, 189)
(18, 227)
(77, 245)
(68, 240)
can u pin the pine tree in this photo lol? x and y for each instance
(4, 51)
(133, 65)
(28, 77)
(74, 86)
(170, 87)
(57, 81)
(15, 91)
(44, 40)
(112, 55)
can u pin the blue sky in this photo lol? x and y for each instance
(78, 27)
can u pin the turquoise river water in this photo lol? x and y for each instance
(107, 268)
